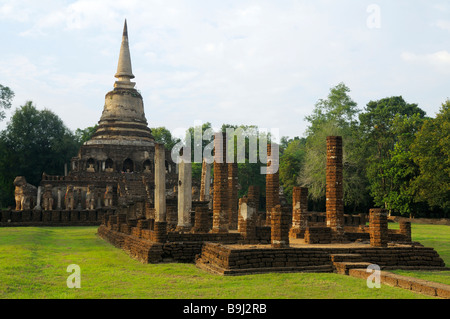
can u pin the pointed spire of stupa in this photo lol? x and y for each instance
(124, 72)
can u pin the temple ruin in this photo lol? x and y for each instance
(145, 203)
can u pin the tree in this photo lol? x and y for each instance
(6, 96)
(401, 169)
(379, 136)
(164, 136)
(338, 108)
(334, 116)
(291, 162)
(84, 135)
(431, 152)
(33, 142)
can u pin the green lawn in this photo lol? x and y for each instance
(33, 263)
(436, 236)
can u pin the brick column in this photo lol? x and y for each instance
(201, 224)
(378, 227)
(279, 228)
(247, 219)
(160, 232)
(405, 229)
(121, 219)
(334, 188)
(299, 212)
(184, 195)
(160, 183)
(141, 225)
(253, 195)
(220, 217)
(232, 196)
(272, 184)
(205, 181)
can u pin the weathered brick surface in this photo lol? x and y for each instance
(50, 218)
(405, 230)
(247, 220)
(141, 243)
(279, 228)
(335, 188)
(318, 235)
(299, 212)
(272, 186)
(220, 200)
(378, 227)
(409, 283)
(256, 259)
(202, 220)
(232, 205)
(253, 195)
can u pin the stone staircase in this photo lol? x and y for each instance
(342, 263)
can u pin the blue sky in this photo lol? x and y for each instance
(260, 62)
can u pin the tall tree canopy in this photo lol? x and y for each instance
(6, 96)
(380, 133)
(334, 116)
(34, 142)
(431, 152)
(164, 136)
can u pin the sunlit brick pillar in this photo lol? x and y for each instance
(247, 219)
(205, 181)
(378, 227)
(232, 196)
(334, 188)
(220, 212)
(201, 224)
(253, 195)
(299, 212)
(405, 229)
(160, 232)
(272, 183)
(279, 228)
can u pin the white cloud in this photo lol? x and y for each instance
(443, 24)
(437, 59)
(254, 62)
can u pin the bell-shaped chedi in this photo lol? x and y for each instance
(123, 119)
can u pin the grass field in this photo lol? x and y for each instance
(438, 237)
(33, 263)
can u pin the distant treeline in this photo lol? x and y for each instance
(394, 155)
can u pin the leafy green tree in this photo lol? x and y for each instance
(34, 142)
(431, 152)
(338, 108)
(6, 96)
(401, 169)
(164, 136)
(84, 135)
(291, 162)
(379, 137)
(334, 116)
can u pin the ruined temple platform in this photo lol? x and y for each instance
(238, 259)
(223, 254)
